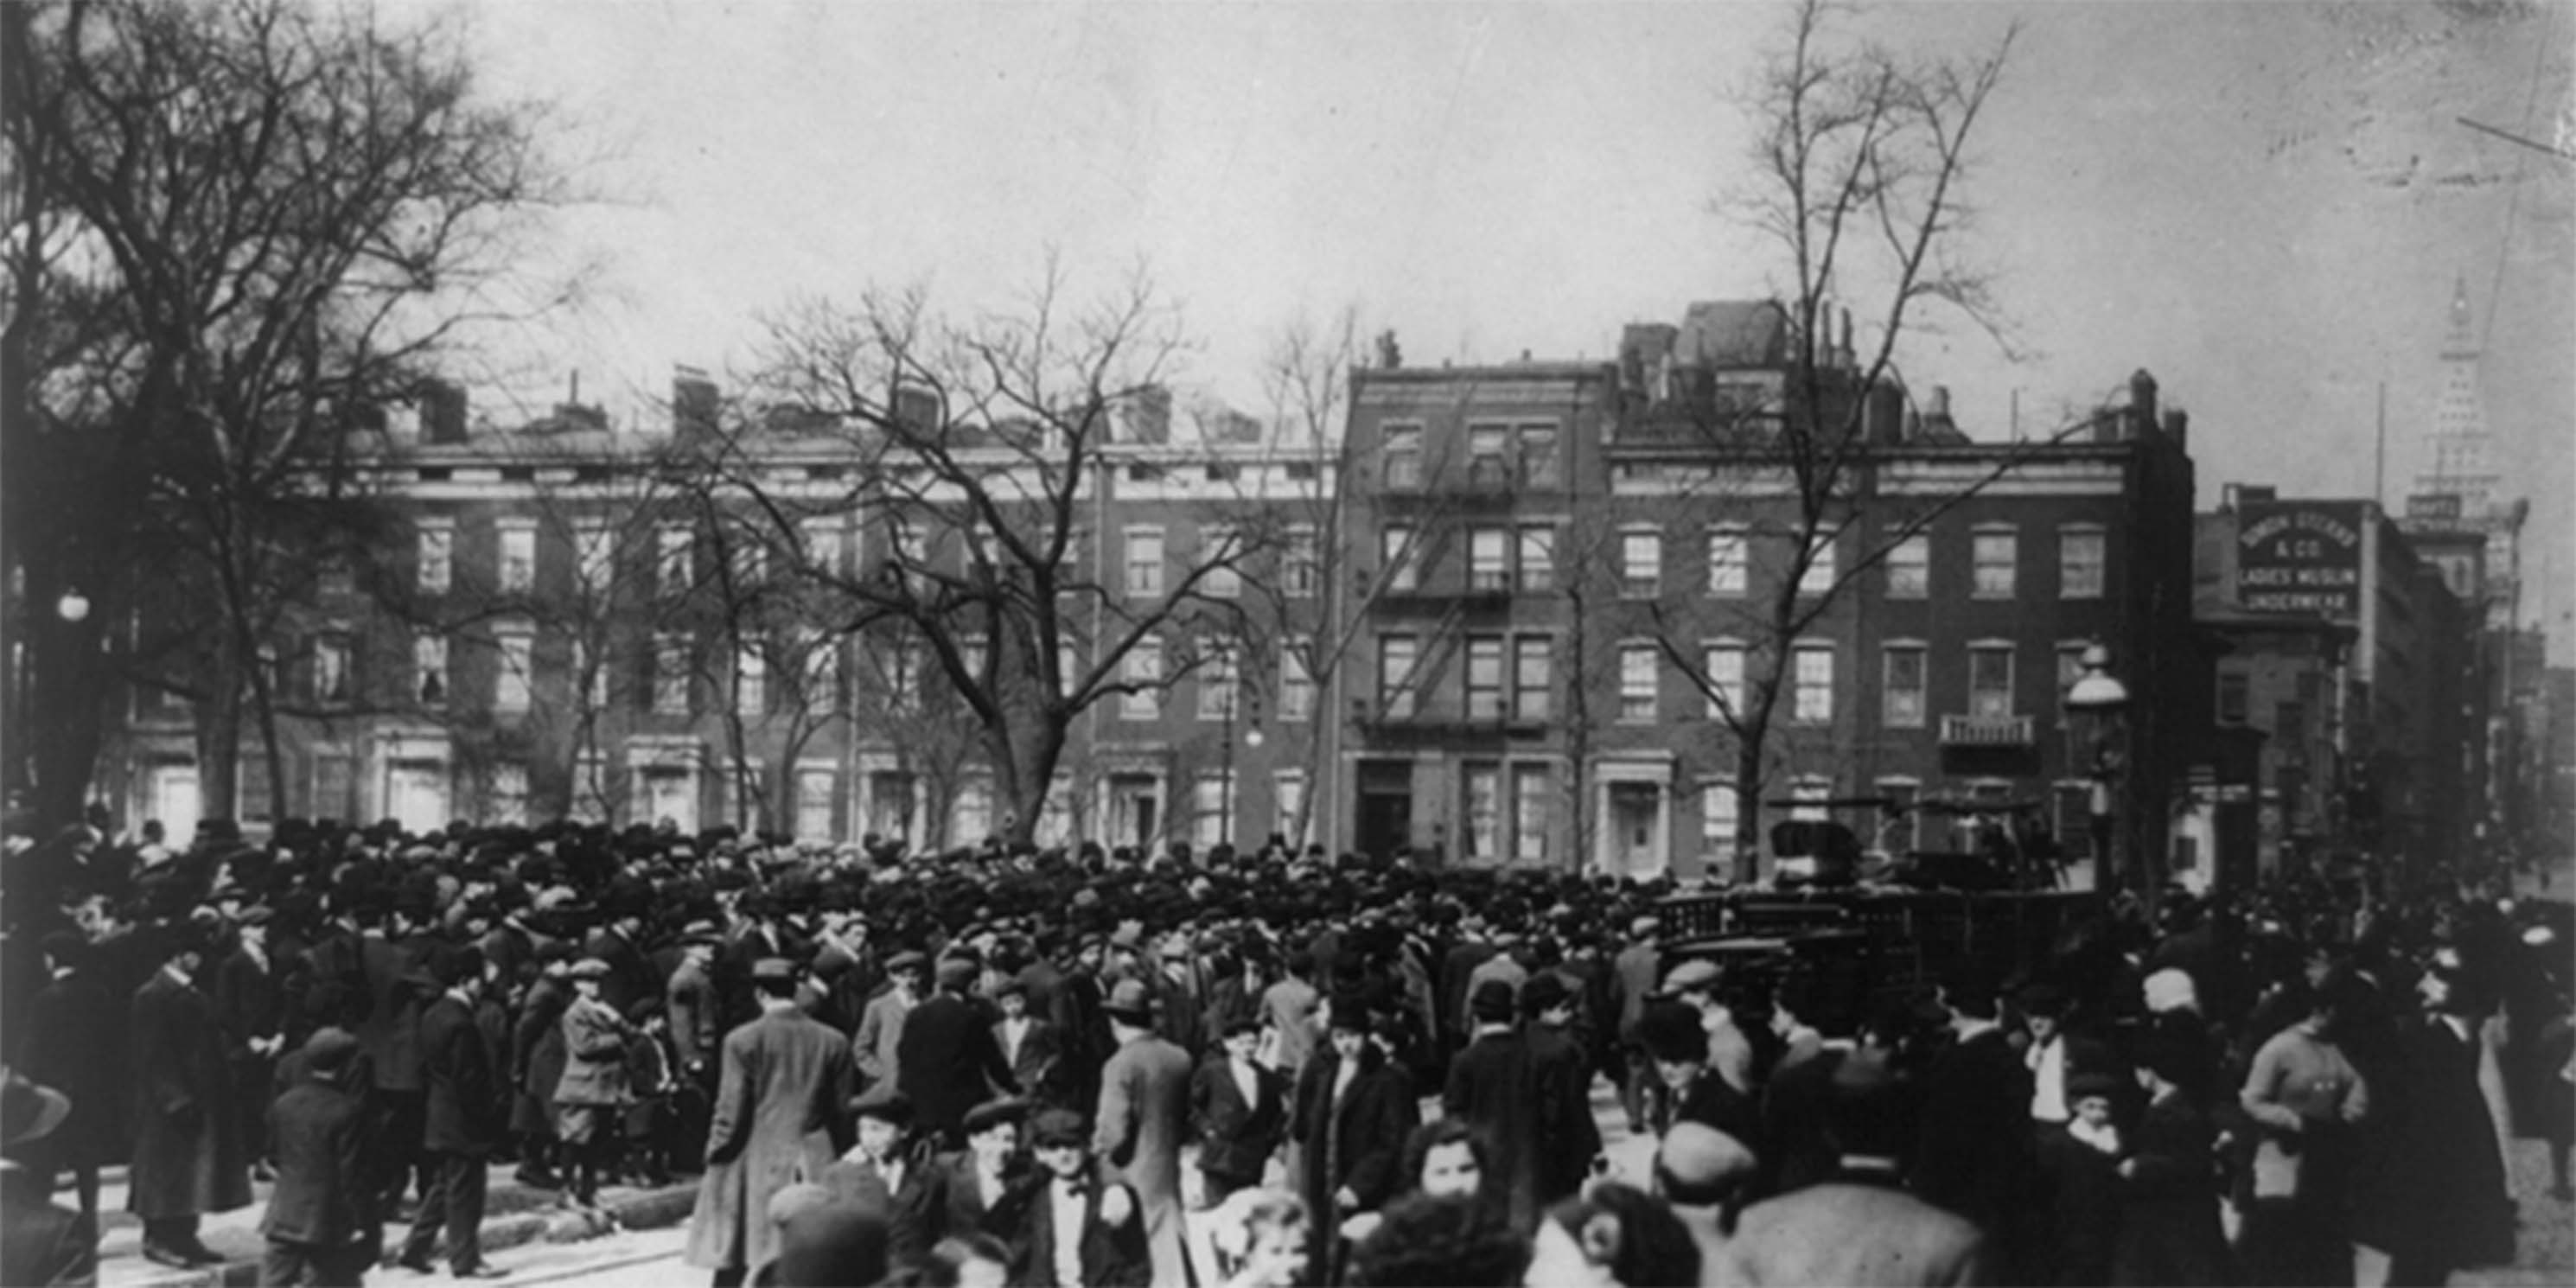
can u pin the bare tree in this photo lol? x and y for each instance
(1860, 161)
(272, 215)
(980, 446)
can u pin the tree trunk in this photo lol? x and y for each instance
(1748, 801)
(219, 726)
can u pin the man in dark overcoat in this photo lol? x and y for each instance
(537, 1064)
(1144, 1120)
(461, 1126)
(189, 1158)
(251, 1005)
(1353, 1111)
(784, 1078)
(64, 1043)
(1238, 1112)
(1492, 1088)
(321, 1221)
(1568, 1140)
(1978, 1156)
(947, 1061)
(2444, 1206)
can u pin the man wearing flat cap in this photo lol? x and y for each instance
(1080, 1231)
(322, 1219)
(878, 1045)
(887, 1170)
(783, 1081)
(591, 1097)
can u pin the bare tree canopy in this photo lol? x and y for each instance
(236, 229)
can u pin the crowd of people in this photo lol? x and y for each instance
(1078, 1067)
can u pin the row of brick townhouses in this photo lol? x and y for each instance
(1453, 631)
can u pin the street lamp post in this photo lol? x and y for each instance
(2100, 700)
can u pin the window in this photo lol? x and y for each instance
(1533, 809)
(1726, 561)
(1718, 815)
(2290, 726)
(1215, 791)
(1300, 570)
(1489, 559)
(1641, 563)
(1218, 548)
(823, 544)
(437, 555)
(1296, 682)
(510, 677)
(1396, 656)
(1537, 557)
(814, 791)
(2070, 666)
(1990, 681)
(518, 542)
(671, 570)
(594, 555)
(1909, 568)
(911, 546)
(509, 801)
(1217, 682)
(333, 777)
(970, 814)
(1532, 662)
(1403, 457)
(1812, 700)
(1538, 456)
(1288, 803)
(1807, 797)
(1637, 682)
(1483, 835)
(2234, 697)
(750, 682)
(670, 674)
(1822, 566)
(429, 668)
(1144, 668)
(1724, 664)
(1395, 551)
(1992, 557)
(2079, 563)
(1903, 700)
(1486, 465)
(334, 577)
(331, 678)
(1145, 561)
(1484, 677)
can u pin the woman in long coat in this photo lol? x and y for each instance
(189, 1156)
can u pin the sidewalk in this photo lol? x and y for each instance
(513, 1215)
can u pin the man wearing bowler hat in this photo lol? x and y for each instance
(784, 1079)
(1144, 1120)
(461, 1119)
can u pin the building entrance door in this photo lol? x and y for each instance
(1636, 827)
(1385, 822)
(1135, 810)
(174, 801)
(416, 795)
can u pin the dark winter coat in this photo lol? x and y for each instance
(947, 1061)
(319, 1132)
(2442, 1196)
(189, 1157)
(537, 1057)
(65, 1045)
(2169, 1230)
(457, 1065)
(1356, 1140)
(1113, 1256)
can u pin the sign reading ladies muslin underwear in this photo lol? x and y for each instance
(2301, 557)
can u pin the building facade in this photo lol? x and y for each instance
(1588, 577)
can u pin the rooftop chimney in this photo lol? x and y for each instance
(1389, 356)
(442, 412)
(2178, 427)
(2142, 403)
(693, 403)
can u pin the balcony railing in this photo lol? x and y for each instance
(1987, 731)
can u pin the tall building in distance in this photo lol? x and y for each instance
(2475, 534)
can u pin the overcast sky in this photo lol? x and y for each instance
(2266, 205)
